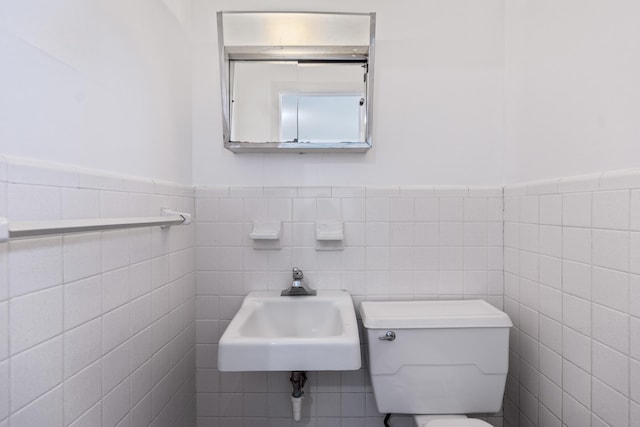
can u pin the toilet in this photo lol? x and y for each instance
(437, 360)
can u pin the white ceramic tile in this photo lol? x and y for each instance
(550, 240)
(115, 250)
(426, 258)
(529, 265)
(47, 410)
(4, 389)
(103, 181)
(619, 179)
(451, 234)
(574, 413)
(451, 190)
(476, 209)
(230, 209)
(4, 330)
(551, 334)
(529, 209)
(611, 288)
(207, 209)
(346, 192)
(402, 209)
(611, 328)
(550, 302)
(378, 209)
(141, 315)
(551, 209)
(417, 191)
(353, 209)
(610, 405)
(611, 367)
(34, 264)
(35, 372)
(576, 348)
(115, 328)
(611, 209)
(451, 258)
(475, 234)
(314, 191)
(427, 209)
(80, 203)
(611, 249)
(495, 209)
(115, 367)
(245, 192)
(634, 252)
(576, 244)
(576, 210)
(304, 209)
(115, 405)
(30, 203)
(634, 292)
(634, 222)
(115, 289)
(579, 183)
(378, 233)
(634, 344)
(512, 235)
(512, 209)
(576, 313)
(576, 279)
(529, 237)
(402, 234)
(475, 258)
(83, 345)
(35, 318)
(547, 186)
(81, 256)
(280, 209)
(551, 365)
(141, 278)
(114, 204)
(551, 271)
(550, 396)
(577, 383)
(81, 392)
(451, 209)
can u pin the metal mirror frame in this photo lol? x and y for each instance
(293, 147)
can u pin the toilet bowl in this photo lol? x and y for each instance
(428, 358)
(448, 421)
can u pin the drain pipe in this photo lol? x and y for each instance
(297, 379)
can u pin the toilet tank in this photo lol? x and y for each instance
(448, 357)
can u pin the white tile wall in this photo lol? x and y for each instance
(79, 331)
(400, 242)
(588, 290)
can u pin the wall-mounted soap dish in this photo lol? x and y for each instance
(329, 236)
(266, 234)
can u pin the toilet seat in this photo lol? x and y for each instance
(448, 421)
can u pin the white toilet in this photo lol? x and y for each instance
(437, 360)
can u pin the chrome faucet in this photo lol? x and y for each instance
(297, 288)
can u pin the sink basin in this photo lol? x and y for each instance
(302, 333)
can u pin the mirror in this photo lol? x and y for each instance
(293, 81)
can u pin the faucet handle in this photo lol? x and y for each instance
(297, 274)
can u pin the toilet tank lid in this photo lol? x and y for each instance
(432, 314)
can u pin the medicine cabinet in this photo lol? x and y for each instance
(296, 81)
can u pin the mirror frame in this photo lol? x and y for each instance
(293, 147)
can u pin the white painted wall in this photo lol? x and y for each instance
(102, 84)
(438, 99)
(573, 98)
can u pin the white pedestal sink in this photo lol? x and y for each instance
(300, 333)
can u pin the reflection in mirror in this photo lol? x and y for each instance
(296, 81)
(278, 101)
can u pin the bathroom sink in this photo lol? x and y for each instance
(292, 333)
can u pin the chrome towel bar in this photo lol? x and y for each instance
(23, 229)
